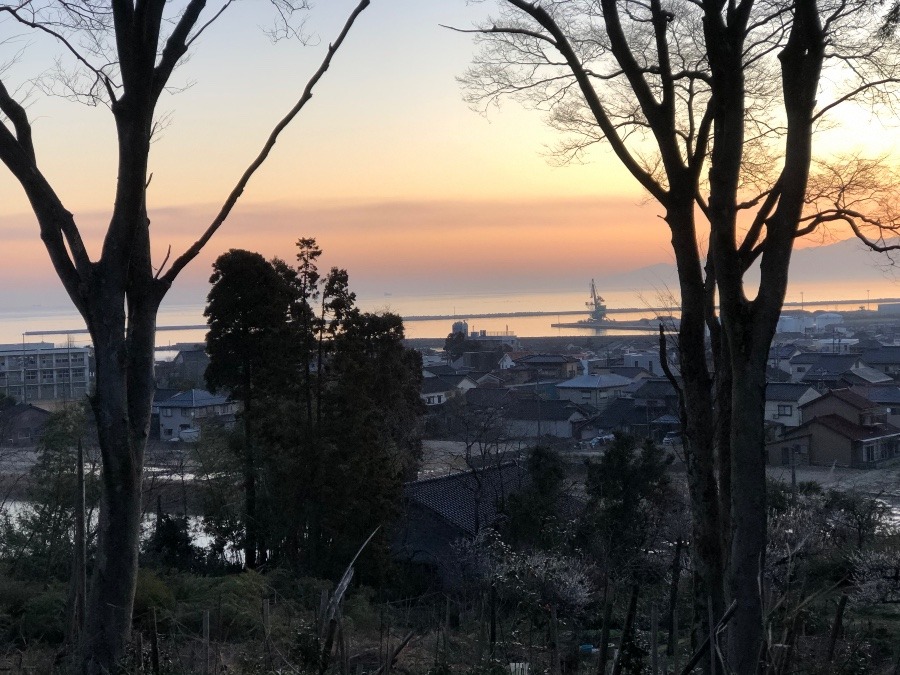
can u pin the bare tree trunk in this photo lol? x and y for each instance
(121, 403)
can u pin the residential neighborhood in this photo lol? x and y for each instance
(832, 394)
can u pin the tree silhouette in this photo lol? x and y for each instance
(124, 53)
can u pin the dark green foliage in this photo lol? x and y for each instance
(331, 421)
(247, 311)
(534, 512)
(169, 545)
(628, 491)
(38, 540)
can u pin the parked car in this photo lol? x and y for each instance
(672, 438)
(603, 439)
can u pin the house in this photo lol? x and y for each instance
(186, 369)
(488, 398)
(834, 440)
(443, 510)
(628, 417)
(438, 370)
(22, 425)
(780, 356)
(823, 371)
(783, 401)
(182, 415)
(632, 373)
(436, 390)
(848, 404)
(887, 396)
(649, 361)
(594, 390)
(656, 394)
(535, 417)
(884, 358)
(552, 366)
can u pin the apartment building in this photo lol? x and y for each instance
(41, 372)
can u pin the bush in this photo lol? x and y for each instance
(151, 592)
(44, 616)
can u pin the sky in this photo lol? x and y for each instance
(396, 177)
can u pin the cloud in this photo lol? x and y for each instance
(425, 246)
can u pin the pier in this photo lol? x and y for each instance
(634, 310)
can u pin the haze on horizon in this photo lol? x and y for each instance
(400, 182)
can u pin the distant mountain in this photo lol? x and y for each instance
(848, 260)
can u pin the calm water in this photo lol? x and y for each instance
(15, 325)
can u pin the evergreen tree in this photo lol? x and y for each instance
(249, 343)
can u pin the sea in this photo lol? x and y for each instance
(433, 315)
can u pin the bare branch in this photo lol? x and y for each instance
(504, 31)
(191, 253)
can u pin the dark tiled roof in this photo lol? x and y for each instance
(786, 391)
(776, 375)
(545, 360)
(456, 380)
(805, 357)
(881, 394)
(782, 352)
(607, 381)
(828, 365)
(852, 399)
(161, 395)
(656, 388)
(441, 369)
(855, 432)
(629, 371)
(493, 397)
(456, 499)
(194, 398)
(551, 411)
(13, 411)
(622, 412)
(435, 385)
(887, 355)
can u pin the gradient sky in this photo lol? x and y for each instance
(400, 182)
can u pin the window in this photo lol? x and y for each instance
(166, 412)
(869, 452)
(785, 410)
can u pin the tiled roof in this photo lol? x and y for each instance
(656, 388)
(866, 375)
(493, 397)
(786, 391)
(828, 365)
(607, 381)
(623, 412)
(631, 372)
(551, 411)
(855, 432)
(849, 397)
(881, 394)
(194, 398)
(456, 498)
(545, 360)
(436, 385)
(886, 355)
(440, 369)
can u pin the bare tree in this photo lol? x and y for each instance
(123, 54)
(712, 107)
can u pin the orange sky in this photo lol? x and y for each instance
(401, 183)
